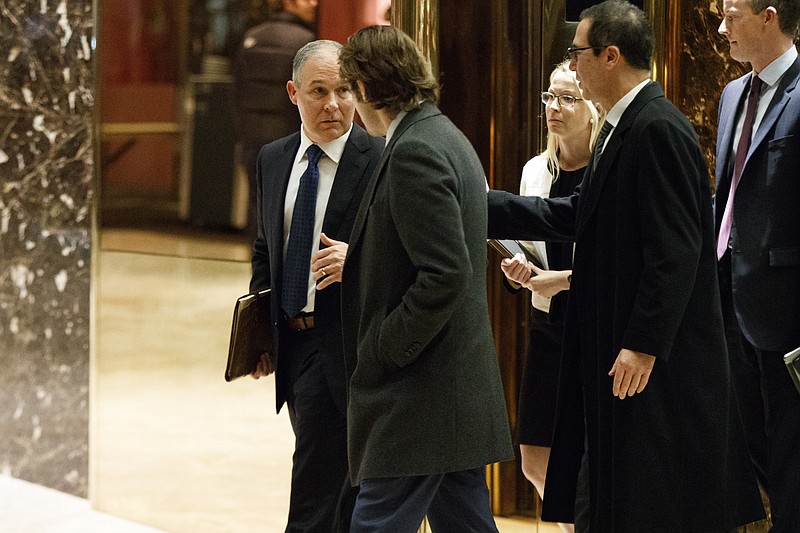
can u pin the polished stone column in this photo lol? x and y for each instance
(46, 219)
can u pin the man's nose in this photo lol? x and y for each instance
(722, 28)
(332, 102)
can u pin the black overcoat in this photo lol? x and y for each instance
(672, 458)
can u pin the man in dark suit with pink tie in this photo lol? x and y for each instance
(757, 211)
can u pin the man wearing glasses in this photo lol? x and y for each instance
(647, 437)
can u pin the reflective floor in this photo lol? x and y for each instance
(174, 446)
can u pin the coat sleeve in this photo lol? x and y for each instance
(532, 218)
(669, 179)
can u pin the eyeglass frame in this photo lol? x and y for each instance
(572, 53)
(559, 97)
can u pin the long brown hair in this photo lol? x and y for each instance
(395, 74)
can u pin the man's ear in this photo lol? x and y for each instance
(770, 16)
(291, 90)
(611, 56)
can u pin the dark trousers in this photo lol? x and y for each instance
(322, 498)
(456, 501)
(769, 405)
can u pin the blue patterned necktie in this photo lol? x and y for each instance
(298, 253)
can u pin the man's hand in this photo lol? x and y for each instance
(327, 264)
(516, 269)
(265, 366)
(631, 372)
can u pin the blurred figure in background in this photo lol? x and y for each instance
(263, 67)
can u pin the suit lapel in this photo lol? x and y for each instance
(729, 110)
(279, 171)
(595, 181)
(782, 96)
(349, 174)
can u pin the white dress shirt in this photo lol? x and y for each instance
(619, 108)
(328, 164)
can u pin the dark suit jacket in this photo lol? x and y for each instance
(765, 256)
(274, 167)
(644, 278)
(425, 395)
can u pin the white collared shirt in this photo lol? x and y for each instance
(393, 126)
(770, 76)
(619, 108)
(328, 164)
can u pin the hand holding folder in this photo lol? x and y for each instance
(251, 334)
(509, 248)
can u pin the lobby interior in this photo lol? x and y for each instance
(120, 258)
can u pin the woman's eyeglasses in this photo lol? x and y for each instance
(564, 100)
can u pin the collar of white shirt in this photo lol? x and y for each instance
(393, 126)
(775, 70)
(332, 149)
(622, 104)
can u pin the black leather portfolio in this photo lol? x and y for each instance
(509, 248)
(251, 334)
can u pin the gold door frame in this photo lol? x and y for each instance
(420, 20)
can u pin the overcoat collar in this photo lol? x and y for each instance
(424, 111)
(593, 182)
(353, 163)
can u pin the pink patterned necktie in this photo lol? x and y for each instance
(741, 156)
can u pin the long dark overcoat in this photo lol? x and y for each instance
(644, 278)
(425, 395)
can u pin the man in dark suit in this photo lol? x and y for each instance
(263, 64)
(328, 161)
(758, 244)
(646, 425)
(426, 411)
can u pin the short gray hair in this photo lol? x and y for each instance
(310, 50)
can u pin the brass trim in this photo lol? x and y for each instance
(665, 16)
(420, 20)
(138, 128)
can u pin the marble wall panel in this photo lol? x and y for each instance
(46, 195)
(705, 69)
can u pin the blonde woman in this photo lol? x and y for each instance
(572, 125)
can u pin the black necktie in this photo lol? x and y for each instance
(741, 155)
(605, 130)
(298, 253)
